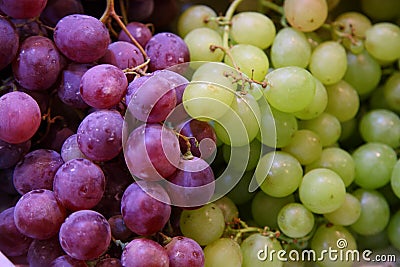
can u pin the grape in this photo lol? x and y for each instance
(305, 146)
(223, 252)
(38, 214)
(354, 23)
(228, 208)
(81, 38)
(38, 63)
(374, 163)
(391, 91)
(203, 45)
(279, 174)
(290, 48)
(395, 179)
(144, 252)
(88, 224)
(346, 214)
(119, 230)
(295, 220)
(375, 213)
(56, 10)
(382, 41)
(252, 28)
(183, 251)
(152, 152)
(306, 15)
(196, 16)
(322, 191)
(9, 42)
(145, 207)
(240, 192)
(22, 9)
(204, 225)
(247, 153)
(36, 170)
(289, 89)
(257, 245)
(70, 149)
(139, 9)
(393, 230)
(378, 11)
(109, 262)
(99, 135)
(67, 261)
(138, 30)
(165, 50)
(122, 55)
(12, 241)
(43, 252)
(10, 154)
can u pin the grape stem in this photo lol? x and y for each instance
(272, 6)
(228, 16)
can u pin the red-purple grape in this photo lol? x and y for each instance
(67, 261)
(183, 251)
(9, 42)
(119, 230)
(56, 10)
(10, 154)
(144, 252)
(139, 9)
(42, 252)
(123, 55)
(22, 9)
(109, 262)
(139, 31)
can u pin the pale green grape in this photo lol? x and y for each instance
(375, 212)
(349, 128)
(252, 28)
(326, 126)
(328, 62)
(343, 101)
(306, 15)
(250, 60)
(251, 154)
(334, 237)
(354, 23)
(265, 208)
(279, 174)
(305, 146)
(295, 220)
(348, 213)
(374, 163)
(381, 10)
(216, 72)
(395, 179)
(363, 72)
(322, 191)
(318, 104)
(200, 42)
(204, 225)
(255, 90)
(382, 41)
(223, 252)
(377, 99)
(391, 91)
(290, 48)
(228, 208)
(240, 193)
(290, 89)
(254, 246)
(381, 125)
(339, 161)
(393, 230)
(196, 16)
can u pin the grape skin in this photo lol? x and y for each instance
(144, 252)
(22, 9)
(9, 42)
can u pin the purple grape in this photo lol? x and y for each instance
(166, 49)
(38, 214)
(56, 10)
(165, 11)
(22, 9)
(85, 235)
(10, 154)
(79, 184)
(36, 170)
(81, 38)
(7, 185)
(20, 117)
(152, 152)
(12, 241)
(28, 27)
(38, 63)
(145, 208)
(183, 251)
(144, 252)
(67, 261)
(134, 85)
(100, 135)
(138, 30)
(43, 252)
(9, 42)
(103, 86)
(123, 55)
(119, 230)
(139, 9)
(109, 262)
(70, 149)
(56, 136)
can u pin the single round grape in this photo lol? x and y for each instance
(9, 41)
(305, 146)
(22, 9)
(138, 30)
(70, 149)
(346, 214)
(138, 10)
(196, 16)
(202, 44)
(354, 23)
(326, 126)
(258, 246)
(119, 230)
(228, 207)
(144, 252)
(395, 179)
(393, 230)
(295, 220)
(123, 55)
(66, 260)
(343, 101)
(391, 91)
(223, 251)
(183, 251)
(11, 154)
(250, 154)
(382, 41)
(306, 15)
(318, 104)
(43, 252)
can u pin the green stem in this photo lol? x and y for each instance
(272, 6)
(228, 16)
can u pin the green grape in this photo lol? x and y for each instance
(252, 28)
(305, 146)
(223, 252)
(284, 124)
(255, 90)
(216, 72)
(228, 208)
(391, 91)
(388, 193)
(375, 242)
(322, 191)
(256, 251)
(334, 238)
(393, 230)
(381, 10)
(318, 104)
(328, 62)
(374, 163)
(243, 154)
(265, 208)
(290, 89)
(339, 161)
(395, 179)
(196, 16)
(349, 128)
(295, 220)
(382, 41)
(279, 174)
(306, 15)
(290, 48)
(343, 101)
(240, 192)
(375, 212)
(347, 214)
(249, 59)
(381, 125)
(354, 23)
(204, 225)
(377, 99)
(200, 42)
(240, 125)
(326, 126)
